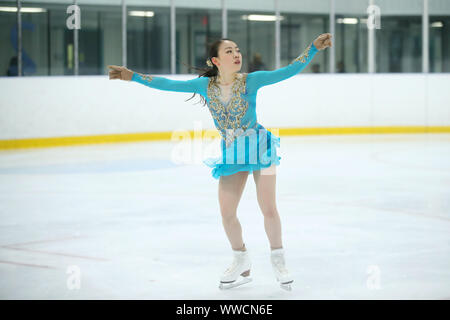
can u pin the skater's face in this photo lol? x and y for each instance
(229, 57)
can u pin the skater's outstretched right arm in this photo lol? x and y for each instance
(161, 83)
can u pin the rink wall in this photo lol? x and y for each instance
(67, 110)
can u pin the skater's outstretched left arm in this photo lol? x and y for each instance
(258, 79)
(161, 83)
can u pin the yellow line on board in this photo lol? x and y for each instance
(176, 135)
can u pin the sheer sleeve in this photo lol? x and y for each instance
(258, 79)
(194, 85)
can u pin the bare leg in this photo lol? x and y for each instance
(230, 192)
(265, 181)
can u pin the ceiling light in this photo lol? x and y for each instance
(261, 17)
(22, 10)
(141, 13)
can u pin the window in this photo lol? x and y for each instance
(439, 28)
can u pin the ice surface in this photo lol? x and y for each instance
(363, 217)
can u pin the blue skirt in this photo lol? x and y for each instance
(252, 151)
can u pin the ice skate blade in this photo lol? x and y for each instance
(226, 286)
(286, 286)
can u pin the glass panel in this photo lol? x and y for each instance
(300, 26)
(399, 41)
(99, 39)
(61, 56)
(351, 35)
(439, 12)
(254, 36)
(35, 39)
(148, 39)
(8, 39)
(89, 38)
(196, 28)
(110, 25)
(47, 43)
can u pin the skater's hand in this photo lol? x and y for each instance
(121, 73)
(323, 41)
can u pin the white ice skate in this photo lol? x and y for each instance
(240, 269)
(281, 273)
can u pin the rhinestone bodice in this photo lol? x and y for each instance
(228, 116)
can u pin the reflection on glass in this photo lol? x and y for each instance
(350, 41)
(399, 41)
(148, 39)
(8, 52)
(399, 44)
(351, 37)
(439, 38)
(297, 32)
(48, 44)
(196, 28)
(254, 33)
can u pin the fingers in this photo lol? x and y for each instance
(325, 40)
(114, 75)
(115, 72)
(116, 68)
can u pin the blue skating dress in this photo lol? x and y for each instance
(245, 144)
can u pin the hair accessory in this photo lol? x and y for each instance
(209, 63)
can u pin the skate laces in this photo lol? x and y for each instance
(235, 263)
(279, 262)
(232, 267)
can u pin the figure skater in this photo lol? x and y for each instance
(247, 147)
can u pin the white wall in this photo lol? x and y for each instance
(36, 107)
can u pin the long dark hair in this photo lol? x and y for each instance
(209, 71)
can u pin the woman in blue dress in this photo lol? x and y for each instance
(247, 147)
